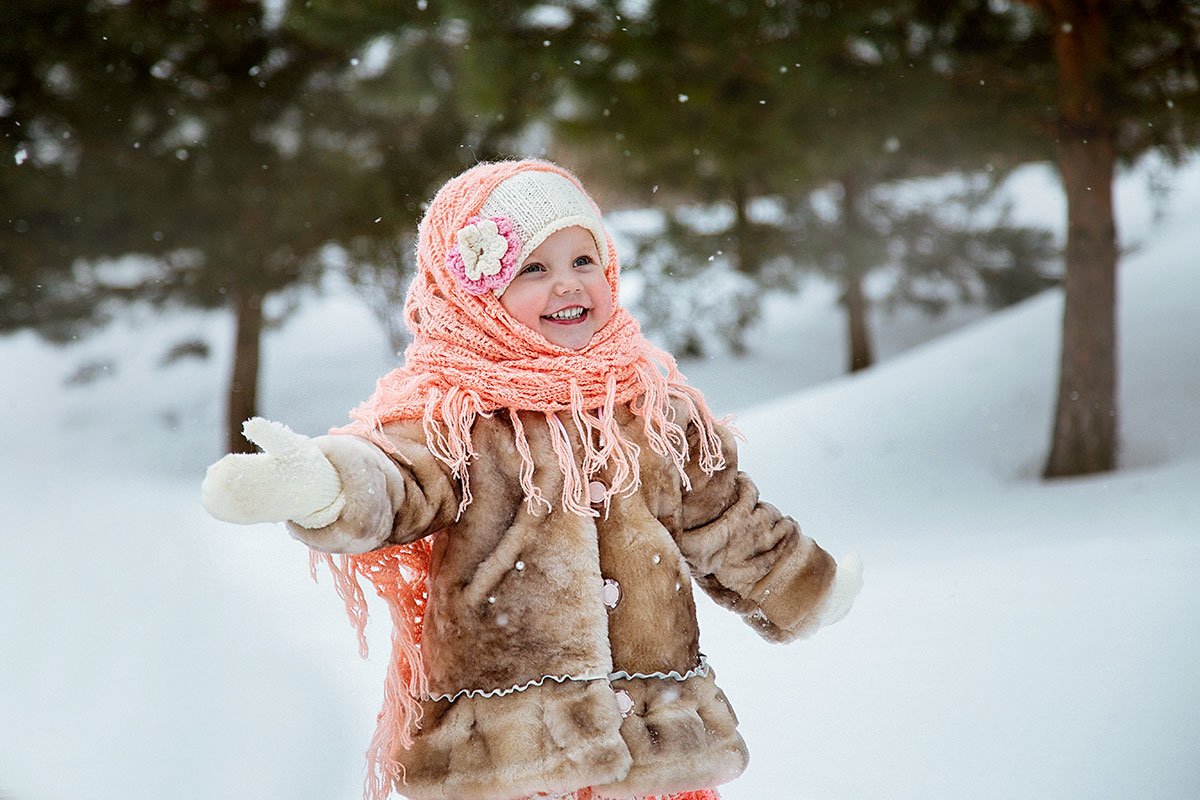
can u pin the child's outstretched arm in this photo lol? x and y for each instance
(754, 560)
(338, 494)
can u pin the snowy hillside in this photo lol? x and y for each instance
(1014, 639)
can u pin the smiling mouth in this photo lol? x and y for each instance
(573, 314)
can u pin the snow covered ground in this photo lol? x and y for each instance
(1014, 638)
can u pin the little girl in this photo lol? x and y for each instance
(533, 493)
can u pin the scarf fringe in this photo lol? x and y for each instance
(603, 444)
(574, 499)
(533, 495)
(398, 575)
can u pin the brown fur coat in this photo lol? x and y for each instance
(529, 669)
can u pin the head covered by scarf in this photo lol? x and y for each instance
(470, 358)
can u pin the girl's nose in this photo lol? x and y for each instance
(568, 284)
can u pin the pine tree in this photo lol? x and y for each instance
(1115, 80)
(228, 147)
(187, 134)
(726, 101)
(1128, 76)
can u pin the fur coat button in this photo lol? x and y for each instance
(611, 593)
(596, 491)
(624, 702)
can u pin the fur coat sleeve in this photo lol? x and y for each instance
(748, 556)
(396, 500)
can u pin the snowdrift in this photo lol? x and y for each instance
(1014, 639)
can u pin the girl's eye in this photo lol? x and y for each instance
(583, 261)
(534, 267)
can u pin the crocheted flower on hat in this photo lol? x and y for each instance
(485, 257)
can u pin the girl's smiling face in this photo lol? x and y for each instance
(560, 290)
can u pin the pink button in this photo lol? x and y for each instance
(611, 593)
(624, 702)
(596, 491)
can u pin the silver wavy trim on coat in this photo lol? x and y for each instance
(700, 669)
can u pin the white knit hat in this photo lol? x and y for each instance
(539, 203)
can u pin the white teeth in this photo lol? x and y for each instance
(567, 313)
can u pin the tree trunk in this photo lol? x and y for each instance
(749, 263)
(1085, 423)
(748, 257)
(861, 356)
(853, 297)
(243, 382)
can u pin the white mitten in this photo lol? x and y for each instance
(290, 480)
(846, 585)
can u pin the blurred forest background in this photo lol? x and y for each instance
(214, 153)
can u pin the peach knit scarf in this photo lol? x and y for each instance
(470, 358)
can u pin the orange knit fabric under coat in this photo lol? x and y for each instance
(590, 794)
(470, 357)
